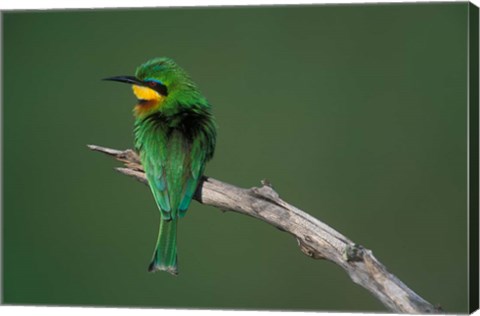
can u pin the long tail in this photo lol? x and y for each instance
(165, 255)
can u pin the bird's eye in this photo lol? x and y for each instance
(156, 85)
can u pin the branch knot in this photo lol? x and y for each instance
(354, 253)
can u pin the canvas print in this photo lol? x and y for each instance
(300, 157)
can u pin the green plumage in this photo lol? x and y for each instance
(175, 138)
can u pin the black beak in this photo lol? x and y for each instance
(126, 79)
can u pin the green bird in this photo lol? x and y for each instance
(175, 135)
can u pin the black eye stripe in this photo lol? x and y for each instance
(157, 86)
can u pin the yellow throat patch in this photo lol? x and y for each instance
(151, 100)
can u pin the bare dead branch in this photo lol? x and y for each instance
(315, 239)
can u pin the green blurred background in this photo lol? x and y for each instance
(355, 113)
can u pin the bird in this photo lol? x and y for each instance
(174, 134)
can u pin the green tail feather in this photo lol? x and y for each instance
(165, 255)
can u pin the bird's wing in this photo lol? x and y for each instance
(154, 159)
(193, 174)
(201, 150)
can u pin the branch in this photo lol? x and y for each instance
(315, 239)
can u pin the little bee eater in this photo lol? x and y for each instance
(175, 136)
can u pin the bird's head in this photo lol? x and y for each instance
(153, 83)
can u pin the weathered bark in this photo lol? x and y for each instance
(315, 239)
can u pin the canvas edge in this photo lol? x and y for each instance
(473, 176)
